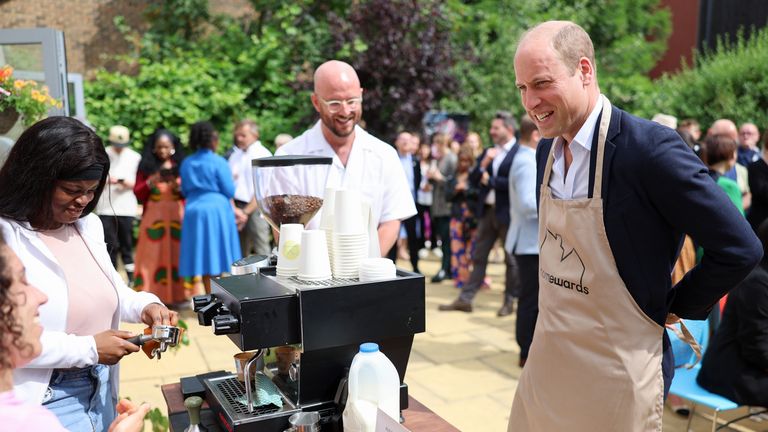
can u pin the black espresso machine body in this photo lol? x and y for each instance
(328, 319)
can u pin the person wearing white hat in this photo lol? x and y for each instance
(118, 206)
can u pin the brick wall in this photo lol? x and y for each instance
(89, 32)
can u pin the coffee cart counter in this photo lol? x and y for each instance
(418, 418)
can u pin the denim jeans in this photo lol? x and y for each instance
(81, 398)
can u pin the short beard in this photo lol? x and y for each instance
(331, 127)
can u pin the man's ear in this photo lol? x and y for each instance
(315, 102)
(587, 71)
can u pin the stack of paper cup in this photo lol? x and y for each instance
(372, 269)
(313, 263)
(326, 218)
(350, 235)
(289, 250)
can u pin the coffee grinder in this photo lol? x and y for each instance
(327, 320)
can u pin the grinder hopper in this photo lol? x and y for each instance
(289, 189)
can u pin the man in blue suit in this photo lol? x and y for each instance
(490, 177)
(616, 195)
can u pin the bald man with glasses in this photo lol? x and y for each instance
(361, 161)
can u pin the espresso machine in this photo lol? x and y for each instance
(326, 320)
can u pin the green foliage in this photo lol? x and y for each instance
(629, 36)
(160, 423)
(259, 70)
(174, 94)
(401, 50)
(411, 55)
(730, 82)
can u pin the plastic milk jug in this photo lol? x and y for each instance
(373, 383)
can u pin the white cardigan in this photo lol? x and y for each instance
(62, 350)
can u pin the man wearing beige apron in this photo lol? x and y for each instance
(617, 193)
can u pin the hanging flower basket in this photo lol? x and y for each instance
(22, 98)
(8, 118)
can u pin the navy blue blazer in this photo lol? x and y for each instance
(498, 182)
(655, 190)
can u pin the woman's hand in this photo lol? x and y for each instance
(157, 314)
(112, 346)
(130, 417)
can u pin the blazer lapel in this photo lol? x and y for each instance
(614, 128)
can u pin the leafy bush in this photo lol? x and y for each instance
(729, 82)
(629, 36)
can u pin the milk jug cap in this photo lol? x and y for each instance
(369, 347)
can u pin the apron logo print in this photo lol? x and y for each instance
(572, 256)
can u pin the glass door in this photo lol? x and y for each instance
(39, 55)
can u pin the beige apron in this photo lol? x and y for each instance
(595, 360)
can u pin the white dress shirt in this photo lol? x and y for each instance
(117, 199)
(575, 184)
(242, 173)
(490, 199)
(373, 168)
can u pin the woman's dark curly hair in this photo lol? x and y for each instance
(9, 328)
(51, 149)
(150, 164)
(202, 135)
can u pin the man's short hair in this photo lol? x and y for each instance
(527, 128)
(250, 123)
(689, 122)
(572, 43)
(507, 119)
(719, 148)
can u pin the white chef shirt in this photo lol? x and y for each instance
(575, 184)
(242, 172)
(118, 200)
(373, 168)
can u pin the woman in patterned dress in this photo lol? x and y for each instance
(157, 188)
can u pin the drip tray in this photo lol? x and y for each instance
(229, 392)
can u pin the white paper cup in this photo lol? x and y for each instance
(328, 209)
(313, 262)
(289, 249)
(347, 214)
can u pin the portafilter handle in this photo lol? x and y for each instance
(247, 377)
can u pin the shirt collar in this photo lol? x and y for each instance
(587, 131)
(508, 145)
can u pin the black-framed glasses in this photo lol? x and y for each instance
(335, 106)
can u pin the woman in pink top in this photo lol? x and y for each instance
(49, 185)
(20, 332)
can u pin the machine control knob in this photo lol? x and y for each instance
(201, 301)
(206, 313)
(226, 324)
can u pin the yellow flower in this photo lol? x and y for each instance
(36, 95)
(19, 84)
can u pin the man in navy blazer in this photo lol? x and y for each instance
(491, 177)
(654, 191)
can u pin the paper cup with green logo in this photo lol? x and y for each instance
(289, 249)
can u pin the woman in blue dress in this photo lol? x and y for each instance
(209, 241)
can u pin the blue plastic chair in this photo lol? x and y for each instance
(684, 383)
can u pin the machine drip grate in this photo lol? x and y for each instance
(234, 391)
(324, 283)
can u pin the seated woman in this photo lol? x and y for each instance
(49, 185)
(20, 343)
(736, 362)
